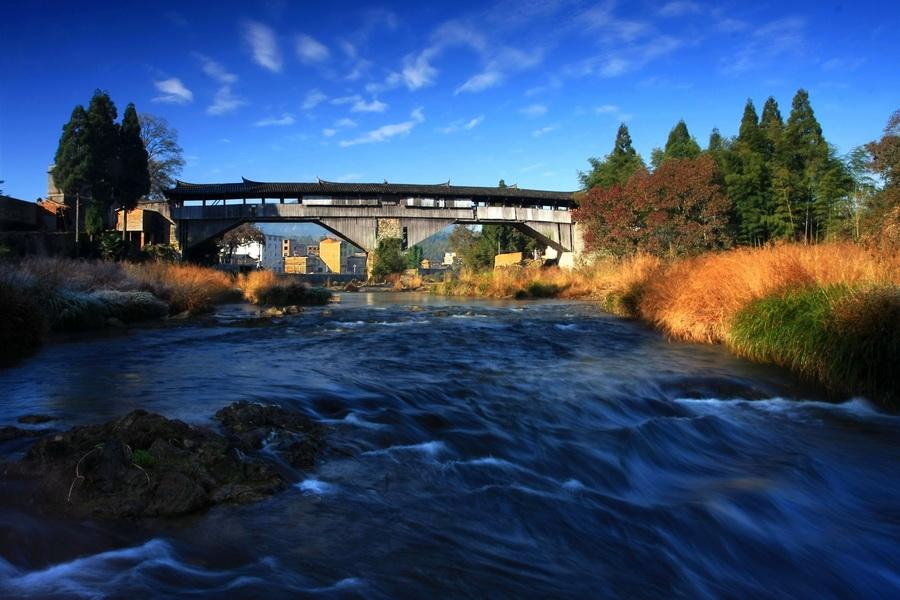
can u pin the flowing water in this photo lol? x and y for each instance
(477, 449)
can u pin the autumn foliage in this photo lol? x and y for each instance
(679, 209)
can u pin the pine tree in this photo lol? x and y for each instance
(771, 125)
(617, 166)
(102, 136)
(747, 180)
(804, 153)
(134, 177)
(680, 144)
(73, 157)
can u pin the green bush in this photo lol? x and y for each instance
(846, 338)
(112, 246)
(388, 259)
(292, 293)
(160, 253)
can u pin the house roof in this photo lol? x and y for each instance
(257, 189)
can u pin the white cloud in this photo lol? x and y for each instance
(225, 102)
(460, 124)
(843, 64)
(310, 50)
(768, 42)
(386, 132)
(215, 70)
(679, 8)
(346, 99)
(313, 98)
(173, 91)
(606, 109)
(329, 132)
(283, 120)
(345, 123)
(417, 71)
(263, 45)
(543, 130)
(533, 110)
(480, 82)
(373, 106)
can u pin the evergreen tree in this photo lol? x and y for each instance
(102, 137)
(804, 154)
(73, 158)
(680, 144)
(501, 184)
(414, 257)
(134, 176)
(616, 167)
(747, 180)
(716, 142)
(771, 125)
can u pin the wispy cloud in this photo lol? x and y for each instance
(313, 98)
(310, 50)
(263, 45)
(225, 102)
(843, 64)
(462, 125)
(359, 104)
(215, 70)
(375, 106)
(679, 8)
(284, 120)
(386, 132)
(605, 109)
(172, 91)
(544, 130)
(533, 110)
(506, 60)
(338, 125)
(771, 41)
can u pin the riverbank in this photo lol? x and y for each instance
(38, 296)
(830, 312)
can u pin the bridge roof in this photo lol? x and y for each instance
(258, 189)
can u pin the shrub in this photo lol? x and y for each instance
(112, 246)
(388, 259)
(184, 287)
(23, 323)
(160, 253)
(266, 288)
(844, 337)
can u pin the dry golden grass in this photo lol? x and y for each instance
(182, 286)
(695, 299)
(254, 283)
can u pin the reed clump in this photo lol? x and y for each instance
(267, 288)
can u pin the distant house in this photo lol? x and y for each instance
(146, 227)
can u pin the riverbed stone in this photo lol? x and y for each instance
(145, 465)
(35, 419)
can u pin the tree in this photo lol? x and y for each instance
(102, 138)
(502, 184)
(414, 257)
(164, 155)
(678, 209)
(134, 177)
(388, 259)
(804, 153)
(679, 144)
(616, 167)
(246, 233)
(72, 163)
(772, 126)
(882, 213)
(747, 180)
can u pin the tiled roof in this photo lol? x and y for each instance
(257, 189)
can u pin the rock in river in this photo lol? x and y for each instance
(145, 465)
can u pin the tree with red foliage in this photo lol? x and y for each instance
(678, 209)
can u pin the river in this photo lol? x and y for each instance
(477, 448)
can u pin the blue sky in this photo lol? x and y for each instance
(424, 92)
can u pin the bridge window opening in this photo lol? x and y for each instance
(255, 201)
(318, 200)
(234, 202)
(194, 202)
(291, 201)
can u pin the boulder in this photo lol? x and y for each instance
(252, 426)
(145, 465)
(35, 419)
